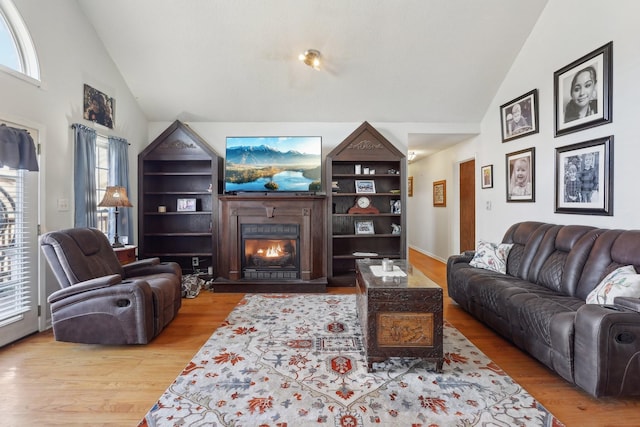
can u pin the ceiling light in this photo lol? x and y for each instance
(311, 57)
(411, 155)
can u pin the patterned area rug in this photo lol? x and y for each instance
(293, 360)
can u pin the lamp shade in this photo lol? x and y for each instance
(115, 196)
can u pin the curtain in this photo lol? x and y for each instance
(84, 176)
(119, 175)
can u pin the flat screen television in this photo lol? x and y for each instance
(273, 164)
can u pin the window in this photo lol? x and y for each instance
(14, 255)
(8, 47)
(102, 180)
(17, 52)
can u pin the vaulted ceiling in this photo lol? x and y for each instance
(413, 61)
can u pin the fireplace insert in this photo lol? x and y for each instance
(270, 251)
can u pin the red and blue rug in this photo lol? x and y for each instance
(298, 360)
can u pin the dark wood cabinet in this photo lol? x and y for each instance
(180, 178)
(353, 236)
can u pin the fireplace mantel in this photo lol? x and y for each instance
(307, 211)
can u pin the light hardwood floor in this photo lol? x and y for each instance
(44, 382)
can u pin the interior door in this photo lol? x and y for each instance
(19, 205)
(467, 205)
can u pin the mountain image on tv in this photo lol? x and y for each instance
(273, 164)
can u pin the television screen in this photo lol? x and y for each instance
(268, 164)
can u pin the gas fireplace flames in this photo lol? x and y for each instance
(271, 252)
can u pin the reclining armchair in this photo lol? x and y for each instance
(101, 301)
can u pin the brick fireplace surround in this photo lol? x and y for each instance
(307, 212)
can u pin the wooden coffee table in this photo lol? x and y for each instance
(400, 312)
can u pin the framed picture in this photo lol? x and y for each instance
(410, 187)
(98, 107)
(521, 176)
(583, 92)
(440, 193)
(186, 205)
(487, 176)
(519, 117)
(395, 206)
(364, 227)
(584, 178)
(365, 186)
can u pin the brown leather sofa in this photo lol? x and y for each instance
(540, 303)
(101, 301)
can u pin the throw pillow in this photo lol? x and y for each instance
(623, 282)
(491, 256)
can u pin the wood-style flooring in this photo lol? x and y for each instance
(43, 382)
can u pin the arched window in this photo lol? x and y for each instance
(17, 52)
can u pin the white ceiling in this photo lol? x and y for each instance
(413, 61)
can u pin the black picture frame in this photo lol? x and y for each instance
(599, 111)
(98, 107)
(486, 176)
(526, 108)
(584, 178)
(521, 173)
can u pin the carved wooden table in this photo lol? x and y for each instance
(400, 312)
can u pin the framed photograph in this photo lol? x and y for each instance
(395, 206)
(519, 117)
(521, 176)
(440, 193)
(186, 205)
(487, 176)
(98, 107)
(410, 187)
(364, 227)
(584, 178)
(583, 92)
(365, 186)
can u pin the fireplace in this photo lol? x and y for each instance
(270, 251)
(271, 243)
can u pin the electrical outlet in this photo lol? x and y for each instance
(195, 261)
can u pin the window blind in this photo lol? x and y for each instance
(15, 294)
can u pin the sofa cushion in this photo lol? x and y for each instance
(623, 282)
(491, 256)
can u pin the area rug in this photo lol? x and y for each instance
(298, 359)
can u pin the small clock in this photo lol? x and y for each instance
(363, 205)
(363, 202)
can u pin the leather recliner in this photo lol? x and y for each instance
(102, 301)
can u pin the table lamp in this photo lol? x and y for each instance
(116, 197)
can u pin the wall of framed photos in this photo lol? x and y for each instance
(557, 49)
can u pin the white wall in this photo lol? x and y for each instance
(70, 55)
(566, 30)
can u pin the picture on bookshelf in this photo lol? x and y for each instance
(364, 227)
(365, 186)
(395, 206)
(186, 205)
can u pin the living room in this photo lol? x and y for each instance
(71, 54)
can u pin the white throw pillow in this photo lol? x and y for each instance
(491, 256)
(623, 282)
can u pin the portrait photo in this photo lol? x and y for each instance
(521, 176)
(519, 117)
(583, 92)
(583, 177)
(98, 107)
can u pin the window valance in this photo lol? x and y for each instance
(17, 149)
